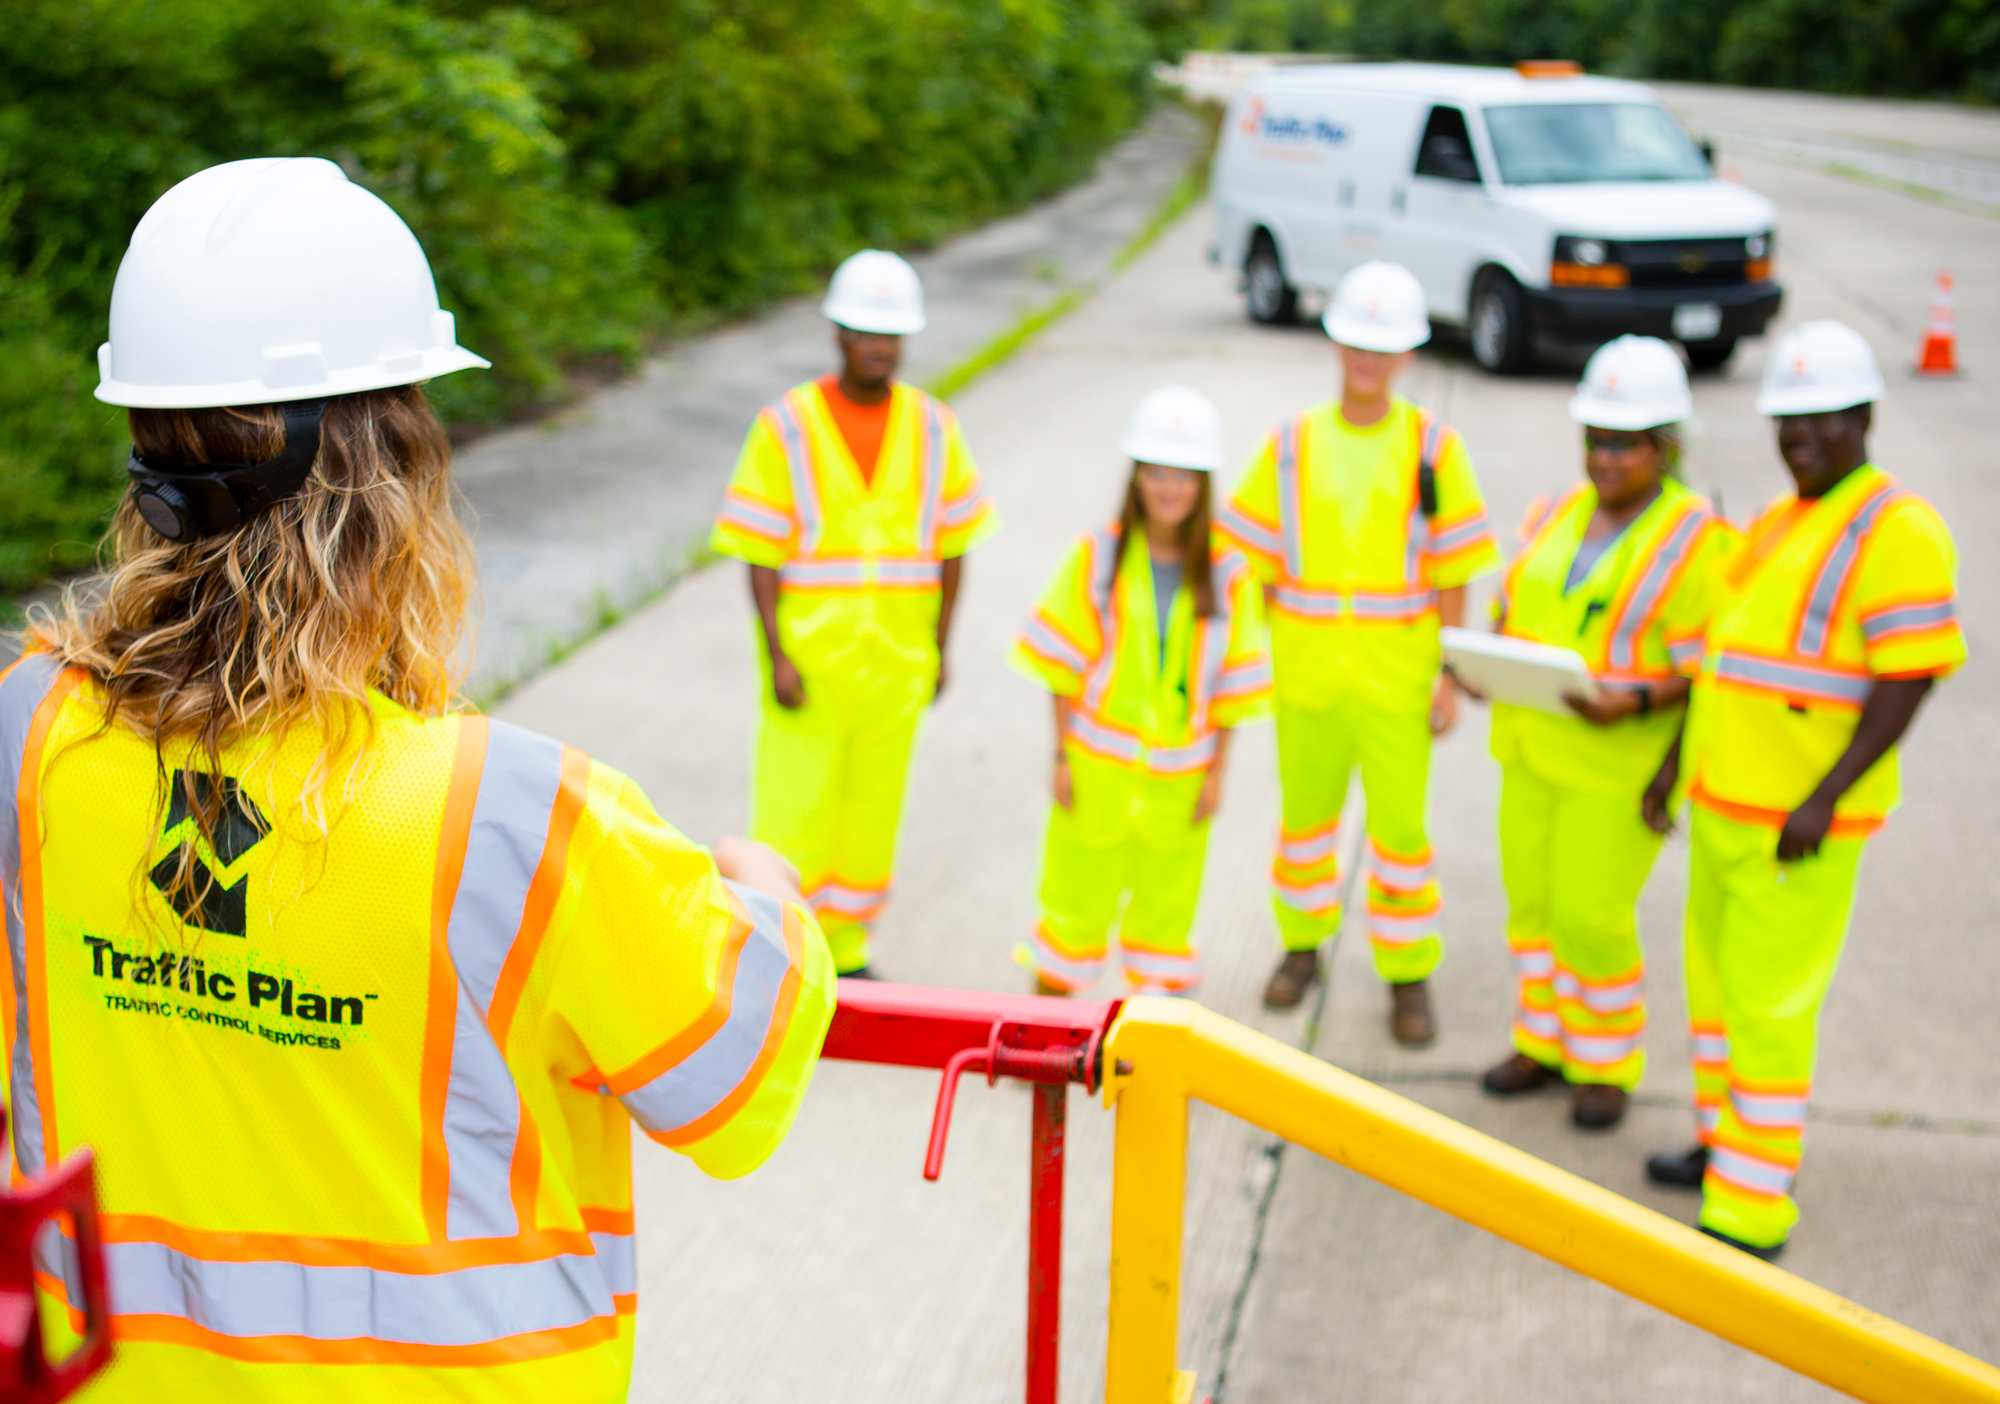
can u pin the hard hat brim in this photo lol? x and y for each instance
(1167, 455)
(1367, 336)
(1812, 399)
(1603, 414)
(874, 320)
(379, 376)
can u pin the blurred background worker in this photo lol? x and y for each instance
(854, 503)
(1151, 637)
(1623, 568)
(1364, 521)
(1836, 619)
(355, 995)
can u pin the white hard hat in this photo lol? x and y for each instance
(1177, 427)
(1819, 366)
(1635, 382)
(1379, 307)
(876, 291)
(271, 280)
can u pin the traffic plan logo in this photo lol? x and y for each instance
(210, 903)
(1306, 131)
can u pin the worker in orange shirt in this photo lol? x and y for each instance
(854, 503)
(1834, 623)
(357, 994)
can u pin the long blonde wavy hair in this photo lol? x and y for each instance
(357, 582)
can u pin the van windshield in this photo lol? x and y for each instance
(1562, 143)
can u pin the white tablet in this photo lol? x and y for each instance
(1516, 671)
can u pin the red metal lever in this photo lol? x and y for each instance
(1057, 1064)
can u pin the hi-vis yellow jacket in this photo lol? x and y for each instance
(362, 1102)
(858, 561)
(1637, 617)
(1330, 518)
(1827, 596)
(1095, 639)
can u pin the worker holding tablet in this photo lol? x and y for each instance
(1364, 522)
(1624, 568)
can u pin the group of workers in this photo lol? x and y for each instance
(356, 995)
(1762, 678)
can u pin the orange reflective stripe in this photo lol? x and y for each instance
(440, 1256)
(468, 759)
(303, 1350)
(28, 814)
(676, 1049)
(1844, 825)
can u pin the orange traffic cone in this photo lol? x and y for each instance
(1939, 355)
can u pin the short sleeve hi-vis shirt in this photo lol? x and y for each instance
(1638, 617)
(1330, 518)
(1095, 639)
(1826, 597)
(858, 559)
(362, 1098)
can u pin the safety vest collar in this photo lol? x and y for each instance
(823, 473)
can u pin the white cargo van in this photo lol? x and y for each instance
(1536, 206)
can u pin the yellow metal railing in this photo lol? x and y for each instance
(1162, 1052)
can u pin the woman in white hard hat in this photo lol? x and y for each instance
(354, 994)
(1624, 567)
(1150, 636)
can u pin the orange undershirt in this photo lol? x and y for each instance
(862, 426)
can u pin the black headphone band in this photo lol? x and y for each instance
(185, 501)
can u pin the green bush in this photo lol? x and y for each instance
(581, 172)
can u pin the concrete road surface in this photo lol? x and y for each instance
(835, 1273)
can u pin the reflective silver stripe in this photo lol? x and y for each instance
(1796, 679)
(798, 460)
(467, 1307)
(1291, 498)
(932, 507)
(1906, 617)
(1833, 574)
(482, 1112)
(1639, 608)
(698, 1083)
(1748, 1171)
(1253, 534)
(20, 695)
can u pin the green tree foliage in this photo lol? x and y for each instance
(1906, 48)
(579, 171)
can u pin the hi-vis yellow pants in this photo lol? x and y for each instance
(828, 794)
(1129, 838)
(1317, 752)
(1573, 864)
(1763, 938)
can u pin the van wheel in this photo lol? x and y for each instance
(1269, 298)
(1711, 355)
(1499, 324)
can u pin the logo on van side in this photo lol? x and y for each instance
(1259, 122)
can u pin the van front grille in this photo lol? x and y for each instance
(1684, 263)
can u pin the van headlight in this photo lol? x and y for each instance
(1586, 263)
(1757, 245)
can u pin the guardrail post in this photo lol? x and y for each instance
(1148, 1186)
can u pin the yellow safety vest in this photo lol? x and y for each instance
(1331, 520)
(858, 560)
(363, 1098)
(1826, 597)
(1637, 618)
(1095, 638)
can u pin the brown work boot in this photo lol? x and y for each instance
(1290, 981)
(1046, 986)
(1598, 1106)
(1410, 1021)
(1518, 1074)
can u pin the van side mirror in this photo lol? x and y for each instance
(1707, 149)
(1447, 158)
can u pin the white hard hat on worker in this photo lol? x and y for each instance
(1817, 367)
(1379, 307)
(876, 291)
(1175, 426)
(1635, 382)
(271, 280)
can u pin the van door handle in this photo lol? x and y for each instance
(1398, 197)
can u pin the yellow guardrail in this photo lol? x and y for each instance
(1161, 1052)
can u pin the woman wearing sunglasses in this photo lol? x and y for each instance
(1622, 568)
